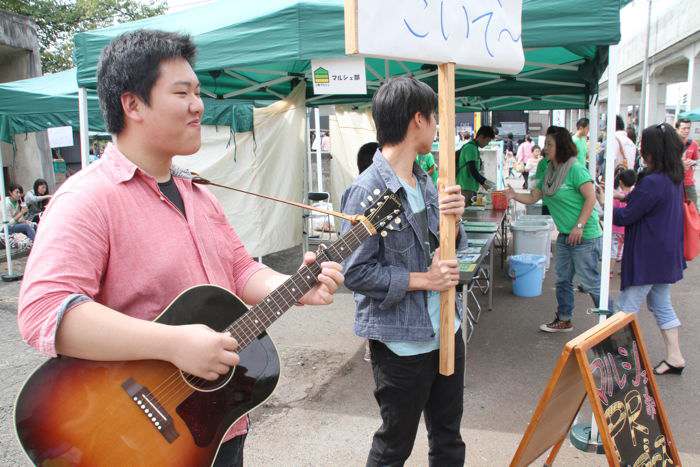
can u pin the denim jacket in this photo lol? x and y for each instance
(377, 272)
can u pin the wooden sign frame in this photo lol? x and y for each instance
(571, 382)
(446, 177)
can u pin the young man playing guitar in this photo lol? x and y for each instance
(122, 238)
(397, 279)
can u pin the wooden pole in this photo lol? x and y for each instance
(446, 177)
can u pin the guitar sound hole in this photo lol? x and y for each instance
(203, 385)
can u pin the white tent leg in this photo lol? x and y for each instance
(319, 169)
(84, 128)
(6, 228)
(592, 136)
(610, 149)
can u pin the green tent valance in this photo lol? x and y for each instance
(259, 50)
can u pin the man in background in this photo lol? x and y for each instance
(690, 159)
(469, 166)
(581, 140)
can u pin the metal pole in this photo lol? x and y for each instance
(84, 129)
(6, 226)
(610, 150)
(319, 169)
(592, 136)
(645, 75)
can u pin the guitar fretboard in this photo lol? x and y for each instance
(249, 326)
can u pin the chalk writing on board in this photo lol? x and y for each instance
(621, 385)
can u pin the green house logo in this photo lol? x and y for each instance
(321, 76)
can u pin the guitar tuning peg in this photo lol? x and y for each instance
(372, 210)
(386, 197)
(376, 191)
(369, 198)
(382, 224)
(396, 211)
(363, 204)
(390, 227)
(383, 233)
(397, 220)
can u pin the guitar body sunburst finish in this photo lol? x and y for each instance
(78, 412)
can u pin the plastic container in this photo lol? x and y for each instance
(532, 237)
(537, 218)
(527, 272)
(499, 200)
(534, 208)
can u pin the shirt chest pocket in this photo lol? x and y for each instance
(400, 239)
(221, 236)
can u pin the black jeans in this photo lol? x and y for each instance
(407, 387)
(526, 177)
(230, 453)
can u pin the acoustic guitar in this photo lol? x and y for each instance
(79, 412)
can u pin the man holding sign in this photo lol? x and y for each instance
(397, 280)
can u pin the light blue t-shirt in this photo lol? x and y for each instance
(406, 348)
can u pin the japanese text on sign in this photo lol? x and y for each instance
(482, 35)
(339, 76)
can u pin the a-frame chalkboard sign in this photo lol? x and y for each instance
(609, 365)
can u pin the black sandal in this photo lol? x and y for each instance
(673, 370)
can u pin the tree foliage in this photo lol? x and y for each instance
(58, 20)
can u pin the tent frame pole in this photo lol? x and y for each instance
(319, 158)
(593, 136)
(84, 128)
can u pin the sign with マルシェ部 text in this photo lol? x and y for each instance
(483, 35)
(339, 76)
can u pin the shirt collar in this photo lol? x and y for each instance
(121, 168)
(389, 176)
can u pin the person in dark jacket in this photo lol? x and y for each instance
(653, 256)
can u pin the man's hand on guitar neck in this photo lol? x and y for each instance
(329, 280)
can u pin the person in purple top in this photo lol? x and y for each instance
(653, 256)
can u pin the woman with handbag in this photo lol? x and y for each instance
(653, 256)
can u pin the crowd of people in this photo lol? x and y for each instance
(23, 211)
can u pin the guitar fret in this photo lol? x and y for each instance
(249, 326)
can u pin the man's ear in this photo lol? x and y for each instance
(419, 120)
(133, 107)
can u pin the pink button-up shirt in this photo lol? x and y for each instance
(109, 235)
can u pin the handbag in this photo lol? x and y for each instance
(691, 230)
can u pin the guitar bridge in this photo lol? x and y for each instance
(151, 408)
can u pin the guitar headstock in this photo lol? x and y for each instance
(384, 210)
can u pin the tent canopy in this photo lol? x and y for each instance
(260, 50)
(51, 100)
(693, 115)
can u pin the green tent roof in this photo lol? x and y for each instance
(51, 100)
(693, 115)
(260, 49)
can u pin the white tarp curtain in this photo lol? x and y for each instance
(349, 129)
(269, 160)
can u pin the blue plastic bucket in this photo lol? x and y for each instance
(527, 272)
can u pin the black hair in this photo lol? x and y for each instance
(396, 102)
(536, 146)
(681, 120)
(37, 183)
(365, 155)
(131, 63)
(582, 123)
(509, 135)
(631, 133)
(662, 149)
(619, 123)
(627, 176)
(14, 186)
(528, 138)
(566, 149)
(486, 131)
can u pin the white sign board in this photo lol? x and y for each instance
(339, 76)
(60, 137)
(559, 118)
(479, 35)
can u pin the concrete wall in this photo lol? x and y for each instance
(20, 59)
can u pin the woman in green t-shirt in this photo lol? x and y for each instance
(566, 188)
